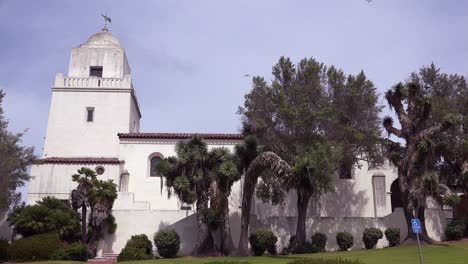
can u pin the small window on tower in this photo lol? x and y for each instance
(90, 114)
(95, 71)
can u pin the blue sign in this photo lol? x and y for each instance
(416, 224)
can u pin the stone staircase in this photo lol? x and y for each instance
(106, 258)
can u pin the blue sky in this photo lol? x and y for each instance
(188, 58)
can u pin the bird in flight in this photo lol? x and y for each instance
(246, 75)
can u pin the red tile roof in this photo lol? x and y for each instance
(181, 135)
(56, 160)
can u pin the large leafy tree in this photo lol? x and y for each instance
(14, 162)
(203, 177)
(431, 109)
(306, 115)
(48, 215)
(415, 158)
(99, 197)
(448, 94)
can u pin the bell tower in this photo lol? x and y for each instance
(93, 103)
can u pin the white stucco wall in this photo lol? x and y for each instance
(137, 154)
(56, 179)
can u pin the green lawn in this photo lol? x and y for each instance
(434, 254)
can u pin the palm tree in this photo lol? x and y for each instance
(80, 196)
(224, 173)
(415, 160)
(102, 197)
(99, 196)
(253, 163)
(312, 168)
(187, 175)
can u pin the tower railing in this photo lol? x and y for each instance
(92, 82)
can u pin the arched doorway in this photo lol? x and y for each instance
(396, 195)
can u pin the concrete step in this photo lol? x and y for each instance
(102, 260)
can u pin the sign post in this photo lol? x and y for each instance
(417, 229)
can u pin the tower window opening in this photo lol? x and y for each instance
(90, 114)
(95, 71)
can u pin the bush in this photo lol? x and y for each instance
(371, 236)
(324, 261)
(38, 247)
(344, 240)
(455, 230)
(131, 253)
(393, 236)
(75, 251)
(138, 247)
(262, 240)
(4, 250)
(228, 262)
(167, 242)
(319, 240)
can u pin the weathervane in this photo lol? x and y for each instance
(106, 19)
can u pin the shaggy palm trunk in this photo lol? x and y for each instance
(266, 160)
(227, 245)
(83, 225)
(418, 213)
(248, 191)
(303, 198)
(205, 241)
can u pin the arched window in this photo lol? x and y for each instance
(154, 164)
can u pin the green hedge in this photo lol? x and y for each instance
(167, 242)
(4, 250)
(38, 247)
(262, 240)
(324, 261)
(75, 251)
(138, 247)
(455, 230)
(371, 236)
(319, 240)
(393, 236)
(344, 240)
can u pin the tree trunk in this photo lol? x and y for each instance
(420, 214)
(227, 245)
(303, 198)
(248, 188)
(83, 225)
(263, 161)
(205, 242)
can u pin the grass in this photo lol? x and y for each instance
(433, 254)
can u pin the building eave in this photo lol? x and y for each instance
(79, 160)
(207, 136)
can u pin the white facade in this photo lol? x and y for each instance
(99, 84)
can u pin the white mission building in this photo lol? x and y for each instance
(94, 121)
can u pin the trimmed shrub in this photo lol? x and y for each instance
(167, 242)
(455, 230)
(131, 253)
(75, 251)
(4, 250)
(344, 240)
(324, 261)
(393, 236)
(38, 247)
(319, 240)
(262, 240)
(138, 247)
(228, 262)
(371, 236)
